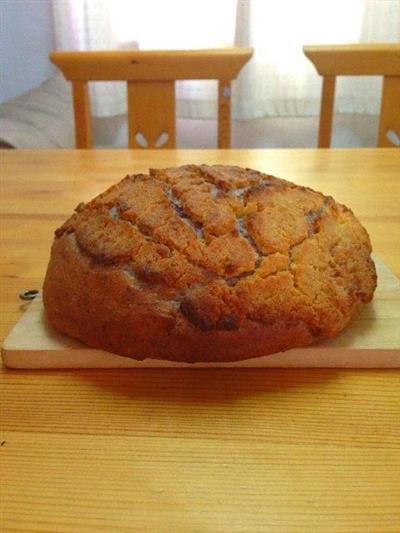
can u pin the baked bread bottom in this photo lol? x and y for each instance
(207, 263)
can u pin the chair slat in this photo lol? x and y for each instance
(361, 59)
(224, 63)
(151, 112)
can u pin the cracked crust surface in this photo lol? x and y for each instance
(207, 263)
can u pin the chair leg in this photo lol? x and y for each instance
(224, 114)
(390, 110)
(83, 119)
(326, 113)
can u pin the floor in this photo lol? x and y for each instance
(348, 131)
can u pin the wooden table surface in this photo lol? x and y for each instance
(194, 450)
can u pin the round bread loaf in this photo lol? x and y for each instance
(207, 263)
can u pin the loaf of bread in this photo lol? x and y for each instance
(207, 263)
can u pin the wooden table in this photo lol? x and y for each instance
(194, 450)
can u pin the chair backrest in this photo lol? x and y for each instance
(150, 77)
(353, 60)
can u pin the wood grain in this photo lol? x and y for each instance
(247, 450)
(72, 482)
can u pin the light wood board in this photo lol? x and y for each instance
(372, 341)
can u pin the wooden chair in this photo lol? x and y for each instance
(150, 77)
(359, 59)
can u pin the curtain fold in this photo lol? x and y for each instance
(87, 25)
(278, 81)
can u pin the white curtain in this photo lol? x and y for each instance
(279, 80)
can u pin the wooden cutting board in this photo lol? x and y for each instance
(372, 341)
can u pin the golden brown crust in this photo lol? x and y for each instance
(207, 263)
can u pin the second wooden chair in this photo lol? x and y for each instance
(359, 60)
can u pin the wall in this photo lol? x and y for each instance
(26, 37)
